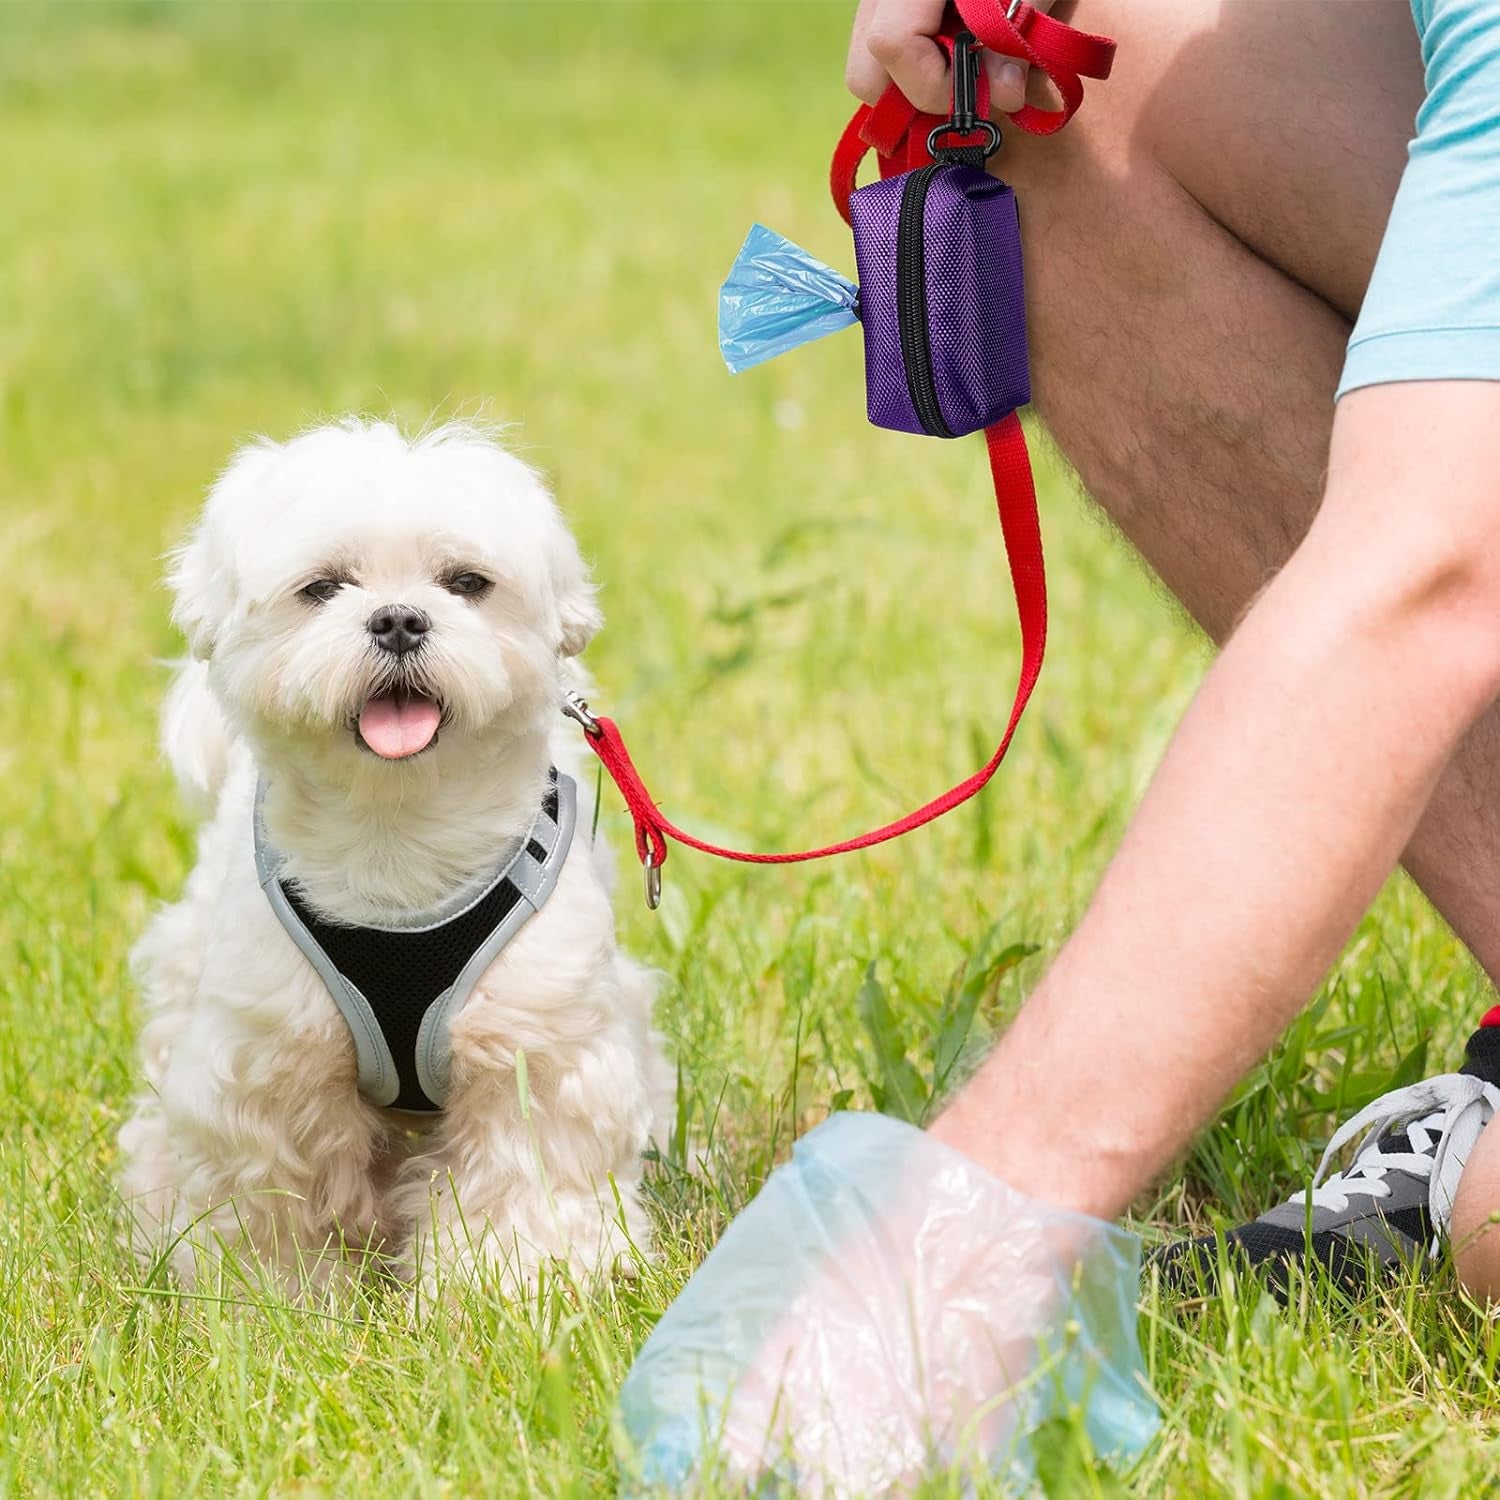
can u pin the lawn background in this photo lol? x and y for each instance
(224, 219)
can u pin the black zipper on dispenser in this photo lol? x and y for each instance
(911, 301)
(950, 143)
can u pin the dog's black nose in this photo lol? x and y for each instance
(398, 628)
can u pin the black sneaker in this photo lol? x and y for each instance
(1387, 1210)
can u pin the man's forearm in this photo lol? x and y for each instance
(1284, 802)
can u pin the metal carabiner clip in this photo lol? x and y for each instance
(963, 120)
(965, 82)
(575, 707)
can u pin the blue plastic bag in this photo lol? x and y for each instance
(777, 297)
(885, 1306)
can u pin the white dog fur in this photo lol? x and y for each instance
(250, 1138)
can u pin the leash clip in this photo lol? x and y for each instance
(964, 120)
(575, 707)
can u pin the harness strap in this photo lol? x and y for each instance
(398, 986)
(1015, 494)
(897, 131)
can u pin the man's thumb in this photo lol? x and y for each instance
(1007, 79)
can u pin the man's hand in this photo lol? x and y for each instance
(885, 1307)
(893, 43)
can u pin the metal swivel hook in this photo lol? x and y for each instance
(964, 120)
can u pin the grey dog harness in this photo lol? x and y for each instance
(398, 987)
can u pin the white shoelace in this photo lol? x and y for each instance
(1442, 1117)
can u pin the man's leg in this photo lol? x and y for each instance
(1198, 241)
(1476, 1244)
(1198, 244)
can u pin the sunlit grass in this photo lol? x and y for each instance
(221, 220)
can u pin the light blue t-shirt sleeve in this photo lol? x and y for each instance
(1432, 311)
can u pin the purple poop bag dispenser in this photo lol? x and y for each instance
(940, 297)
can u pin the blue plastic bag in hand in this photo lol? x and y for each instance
(884, 1307)
(777, 297)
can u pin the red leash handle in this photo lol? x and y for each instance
(897, 131)
(1015, 494)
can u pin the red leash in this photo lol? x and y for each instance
(1010, 466)
(898, 133)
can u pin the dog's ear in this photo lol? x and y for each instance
(201, 572)
(199, 591)
(577, 608)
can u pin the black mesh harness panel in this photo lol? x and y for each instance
(398, 987)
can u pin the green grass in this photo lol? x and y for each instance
(220, 220)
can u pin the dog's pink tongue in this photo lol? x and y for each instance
(395, 727)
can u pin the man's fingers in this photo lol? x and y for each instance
(919, 66)
(1007, 82)
(865, 77)
(893, 40)
(915, 63)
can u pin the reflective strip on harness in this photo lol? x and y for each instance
(399, 987)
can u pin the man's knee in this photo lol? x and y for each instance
(1306, 186)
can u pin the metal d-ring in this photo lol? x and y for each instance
(653, 880)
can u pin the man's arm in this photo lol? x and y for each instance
(1284, 802)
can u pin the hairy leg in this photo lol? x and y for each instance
(1198, 241)
(1475, 1230)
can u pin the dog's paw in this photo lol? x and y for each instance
(569, 1239)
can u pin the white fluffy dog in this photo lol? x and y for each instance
(380, 632)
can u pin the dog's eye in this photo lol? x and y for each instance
(321, 590)
(468, 585)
